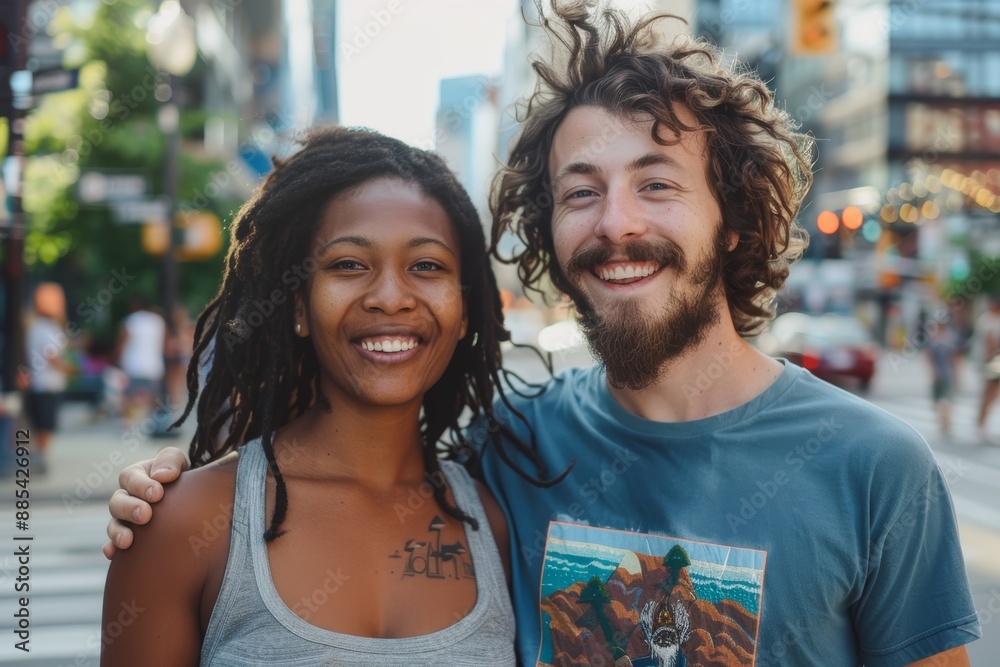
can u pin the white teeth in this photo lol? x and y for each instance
(625, 272)
(388, 345)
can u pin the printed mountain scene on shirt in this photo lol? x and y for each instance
(622, 598)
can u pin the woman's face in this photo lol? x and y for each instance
(384, 308)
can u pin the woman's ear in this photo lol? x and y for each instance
(733, 240)
(301, 320)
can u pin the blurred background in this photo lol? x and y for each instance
(132, 131)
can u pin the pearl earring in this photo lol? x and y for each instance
(298, 328)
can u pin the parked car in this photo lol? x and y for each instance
(830, 346)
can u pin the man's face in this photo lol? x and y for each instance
(639, 237)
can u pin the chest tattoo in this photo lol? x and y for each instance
(428, 557)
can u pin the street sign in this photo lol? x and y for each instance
(54, 80)
(140, 210)
(99, 187)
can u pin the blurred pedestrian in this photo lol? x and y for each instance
(987, 334)
(180, 343)
(45, 345)
(141, 343)
(6, 427)
(942, 352)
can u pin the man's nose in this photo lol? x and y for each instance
(622, 218)
(390, 292)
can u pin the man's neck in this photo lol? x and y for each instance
(722, 373)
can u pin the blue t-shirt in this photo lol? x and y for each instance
(805, 527)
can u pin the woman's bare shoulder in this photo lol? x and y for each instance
(199, 499)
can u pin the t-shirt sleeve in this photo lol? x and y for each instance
(916, 601)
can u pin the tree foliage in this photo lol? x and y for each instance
(109, 123)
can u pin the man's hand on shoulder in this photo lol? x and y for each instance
(141, 484)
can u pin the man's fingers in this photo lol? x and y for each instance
(129, 509)
(109, 549)
(168, 465)
(136, 481)
(120, 534)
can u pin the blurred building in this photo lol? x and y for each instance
(467, 120)
(272, 72)
(906, 107)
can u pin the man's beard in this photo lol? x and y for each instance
(636, 348)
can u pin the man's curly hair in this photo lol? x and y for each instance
(759, 165)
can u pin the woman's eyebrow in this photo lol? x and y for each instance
(423, 240)
(353, 240)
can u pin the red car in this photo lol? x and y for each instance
(830, 346)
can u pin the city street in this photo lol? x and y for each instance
(68, 516)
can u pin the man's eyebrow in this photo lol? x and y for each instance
(353, 240)
(423, 240)
(651, 160)
(581, 168)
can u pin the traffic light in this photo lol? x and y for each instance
(814, 28)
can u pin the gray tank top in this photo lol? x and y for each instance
(252, 627)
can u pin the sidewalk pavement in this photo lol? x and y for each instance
(85, 457)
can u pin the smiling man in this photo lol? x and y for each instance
(718, 507)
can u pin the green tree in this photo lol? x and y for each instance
(109, 122)
(595, 593)
(675, 561)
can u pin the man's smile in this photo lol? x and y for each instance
(625, 272)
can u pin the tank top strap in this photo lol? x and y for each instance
(486, 555)
(248, 502)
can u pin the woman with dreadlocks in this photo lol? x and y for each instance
(357, 320)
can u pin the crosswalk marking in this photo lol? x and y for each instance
(67, 589)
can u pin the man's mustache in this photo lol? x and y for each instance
(664, 253)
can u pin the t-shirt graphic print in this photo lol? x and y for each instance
(618, 597)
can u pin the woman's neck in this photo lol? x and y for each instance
(376, 446)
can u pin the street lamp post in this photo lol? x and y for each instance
(171, 39)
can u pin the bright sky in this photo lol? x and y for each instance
(393, 54)
(389, 81)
